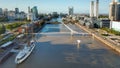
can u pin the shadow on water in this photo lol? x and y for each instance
(49, 55)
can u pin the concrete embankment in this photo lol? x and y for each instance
(113, 46)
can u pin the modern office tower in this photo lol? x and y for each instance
(70, 10)
(117, 11)
(29, 10)
(114, 11)
(35, 11)
(114, 15)
(92, 9)
(31, 14)
(1, 11)
(16, 10)
(96, 9)
(117, 0)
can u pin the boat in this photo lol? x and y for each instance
(25, 52)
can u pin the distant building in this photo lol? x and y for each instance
(5, 12)
(96, 9)
(11, 15)
(21, 15)
(34, 10)
(71, 11)
(54, 14)
(92, 9)
(1, 11)
(16, 10)
(115, 25)
(31, 14)
(114, 10)
(104, 23)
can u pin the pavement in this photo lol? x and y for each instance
(101, 38)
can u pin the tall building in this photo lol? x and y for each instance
(29, 10)
(117, 0)
(92, 9)
(96, 9)
(16, 10)
(35, 11)
(117, 11)
(1, 11)
(114, 10)
(5, 12)
(71, 11)
(114, 15)
(31, 14)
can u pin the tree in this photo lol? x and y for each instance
(2, 29)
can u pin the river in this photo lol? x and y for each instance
(62, 51)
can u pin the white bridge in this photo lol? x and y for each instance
(72, 32)
(63, 33)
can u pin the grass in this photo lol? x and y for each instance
(8, 39)
(112, 31)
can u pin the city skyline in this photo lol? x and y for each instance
(47, 6)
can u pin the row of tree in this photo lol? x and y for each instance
(14, 25)
(112, 31)
(2, 29)
(10, 26)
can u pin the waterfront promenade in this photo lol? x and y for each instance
(100, 38)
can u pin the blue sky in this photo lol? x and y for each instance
(46, 6)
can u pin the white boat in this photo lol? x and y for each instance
(25, 52)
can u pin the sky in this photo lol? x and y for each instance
(48, 6)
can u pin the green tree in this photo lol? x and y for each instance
(2, 29)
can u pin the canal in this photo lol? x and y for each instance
(62, 51)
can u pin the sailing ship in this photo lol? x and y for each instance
(26, 51)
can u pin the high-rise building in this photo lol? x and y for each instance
(114, 15)
(96, 9)
(16, 10)
(117, 11)
(71, 11)
(29, 10)
(117, 0)
(31, 14)
(92, 9)
(5, 12)
(1, 11)
(114, 10)
(35, 11)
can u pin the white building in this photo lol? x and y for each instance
(115, 25)
(96, 10)
(92, 9)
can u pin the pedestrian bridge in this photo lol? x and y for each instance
(63, 33)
